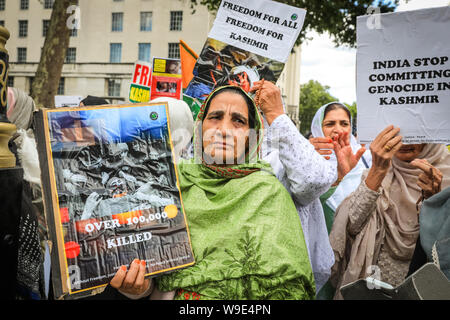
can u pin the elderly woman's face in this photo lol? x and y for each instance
(225, 128)
(409, 152)
(335, 122)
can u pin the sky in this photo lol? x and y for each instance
(335, 67)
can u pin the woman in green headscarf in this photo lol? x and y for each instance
(245, 231)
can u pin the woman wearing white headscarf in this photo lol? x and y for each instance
(329, 121)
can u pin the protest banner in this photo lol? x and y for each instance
(403, 71)
(166, 78)
(141, 82)
(110, 190)
(188, 58)
(249, 41)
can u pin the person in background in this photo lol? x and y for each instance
(32, 227)
(330, 121)
(376, 227)
(433, 243)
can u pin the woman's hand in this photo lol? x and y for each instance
(133, 281)
(346, 160)
(383, 148)
(269, 99)
(323, 146)
(430, 179)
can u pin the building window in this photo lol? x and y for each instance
(2, 5)
(23, 28)
(115, 52)
(176, 20)
(45, 25)
(146, 21)
(61, 86)
(2, 23)
(10, 82)
(117, 21)
(144, 52)
(21, 55)
(74, 32)
(71, 55)
(114, 87)
(48, 4)
(24, 4)
(174, 50)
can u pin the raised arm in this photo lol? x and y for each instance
(308, 173)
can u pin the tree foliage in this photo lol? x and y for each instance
(48, 73)
(313, 95)
(335, 17)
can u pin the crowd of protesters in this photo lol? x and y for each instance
(322, 212)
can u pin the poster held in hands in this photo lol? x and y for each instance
(403, 73)
(249, 41)
(110, 190)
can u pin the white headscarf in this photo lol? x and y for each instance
(352, 179)
(181, 124)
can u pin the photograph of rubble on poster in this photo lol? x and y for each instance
(222, 64)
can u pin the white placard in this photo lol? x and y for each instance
(403, 75)
(67, 101)
(263, 27)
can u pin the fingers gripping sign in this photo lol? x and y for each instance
(268, 98)
(383, 148)
(132, 281)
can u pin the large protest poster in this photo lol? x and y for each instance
(141, 82)
(249, 41)
(403, 71)
(111, 194)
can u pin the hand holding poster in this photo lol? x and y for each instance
(249, 41)
(403, 71)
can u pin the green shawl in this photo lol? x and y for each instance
(246, 236)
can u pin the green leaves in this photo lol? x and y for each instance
(335, 17)
(313, 95)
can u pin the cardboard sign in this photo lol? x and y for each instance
(141, 82)
(249, 41)
(111, 194)
(166, 78)
(403, 72)
(263, 27)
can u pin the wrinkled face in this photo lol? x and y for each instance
(409, 152)
(335, 121)
(225, 129)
